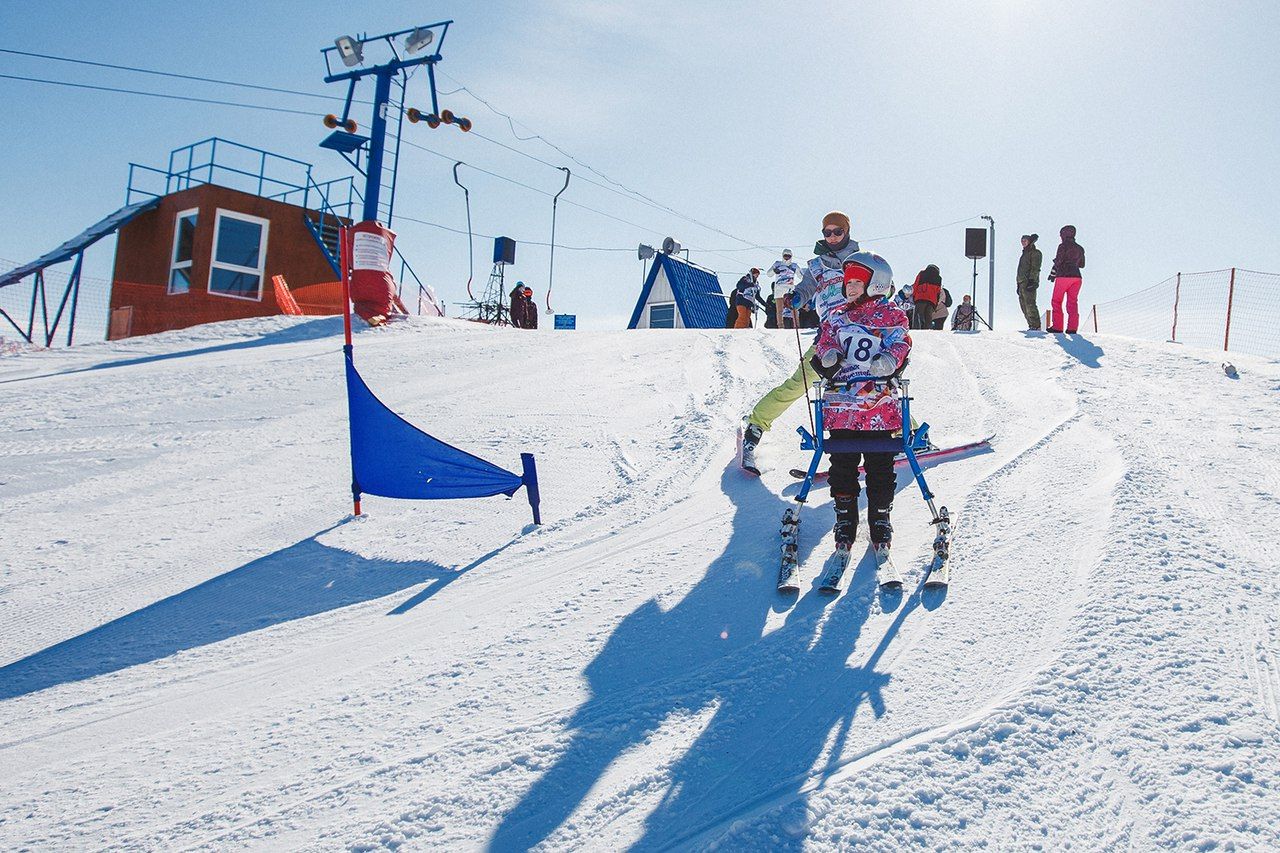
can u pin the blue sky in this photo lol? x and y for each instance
(1149, 126)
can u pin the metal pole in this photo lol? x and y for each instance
(1177, 295)
(1231, 293)
(551, 272)
(36, 286)
(991, 281)
(377, 142)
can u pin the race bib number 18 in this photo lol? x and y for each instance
(861, 345)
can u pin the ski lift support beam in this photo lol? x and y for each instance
(383, 74)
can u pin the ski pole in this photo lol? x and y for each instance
(804, 373)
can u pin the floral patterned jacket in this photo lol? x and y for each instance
(858, 331)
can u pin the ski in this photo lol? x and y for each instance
(887, 574)
(833, 580)
(789, 570)
(939, 574)
(939, 455)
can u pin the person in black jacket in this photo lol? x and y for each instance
(1066, 277)
(745, 297)
(524, 314)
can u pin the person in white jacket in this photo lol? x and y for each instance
(784, 273)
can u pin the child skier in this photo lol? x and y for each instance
(862, 346)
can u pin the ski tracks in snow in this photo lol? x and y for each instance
(626, 676)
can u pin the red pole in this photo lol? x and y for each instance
(1231, 293)
(1177, 295)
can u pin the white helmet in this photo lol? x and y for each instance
(872, 270)
(786, 253)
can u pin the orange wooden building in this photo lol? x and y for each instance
(208, 249)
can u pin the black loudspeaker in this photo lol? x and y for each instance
(504, 250)
(975, 243)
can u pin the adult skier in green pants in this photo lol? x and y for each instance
(823, 282)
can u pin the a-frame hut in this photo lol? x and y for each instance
(678, 294)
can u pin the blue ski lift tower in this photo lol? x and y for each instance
(377, 155)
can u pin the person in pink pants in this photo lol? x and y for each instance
(1066, 279)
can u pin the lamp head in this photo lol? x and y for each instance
(418, 40)
(351, 51)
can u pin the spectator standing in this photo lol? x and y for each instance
(524, 313)
(1029, 280)
(745, 298)
(530, 309)
(962, 319)
(784, 273)
(940, 314)
(519, 311)
(925, 293)
(1066, 277)
(905, 299)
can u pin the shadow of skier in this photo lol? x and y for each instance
(775, 696)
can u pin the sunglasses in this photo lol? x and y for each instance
(832, 232)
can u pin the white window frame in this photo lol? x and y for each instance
(174, 263)
(215, 264)
(671, 305)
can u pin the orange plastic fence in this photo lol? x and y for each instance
(284, 298)
(1236, 310)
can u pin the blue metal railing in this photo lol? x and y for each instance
(326, 206)
(230, 164)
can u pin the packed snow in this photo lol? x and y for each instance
(201, 649)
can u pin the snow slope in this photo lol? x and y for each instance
(200, 650)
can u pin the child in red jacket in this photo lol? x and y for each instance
(862, 346)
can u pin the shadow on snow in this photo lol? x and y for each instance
(312, 330)
(782, 702)
(298, 581)
(1084, 351)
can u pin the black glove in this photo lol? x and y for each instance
(826, 370)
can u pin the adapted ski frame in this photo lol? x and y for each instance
(909, 442)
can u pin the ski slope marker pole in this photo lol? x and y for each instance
(344, 261)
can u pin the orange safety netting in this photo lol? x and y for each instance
(1234, 310)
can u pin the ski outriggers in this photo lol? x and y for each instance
(861, 351)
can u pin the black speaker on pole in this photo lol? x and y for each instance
(504, 250)
(975, 243)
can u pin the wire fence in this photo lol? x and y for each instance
(1233, 310)
(36, 316)
(32, 311)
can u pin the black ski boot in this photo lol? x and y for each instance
(881, 529)
(750, 438)
(846, 528)
(881, 536)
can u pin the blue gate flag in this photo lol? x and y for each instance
(393, 458)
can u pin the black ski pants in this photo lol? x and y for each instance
(882, 480)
